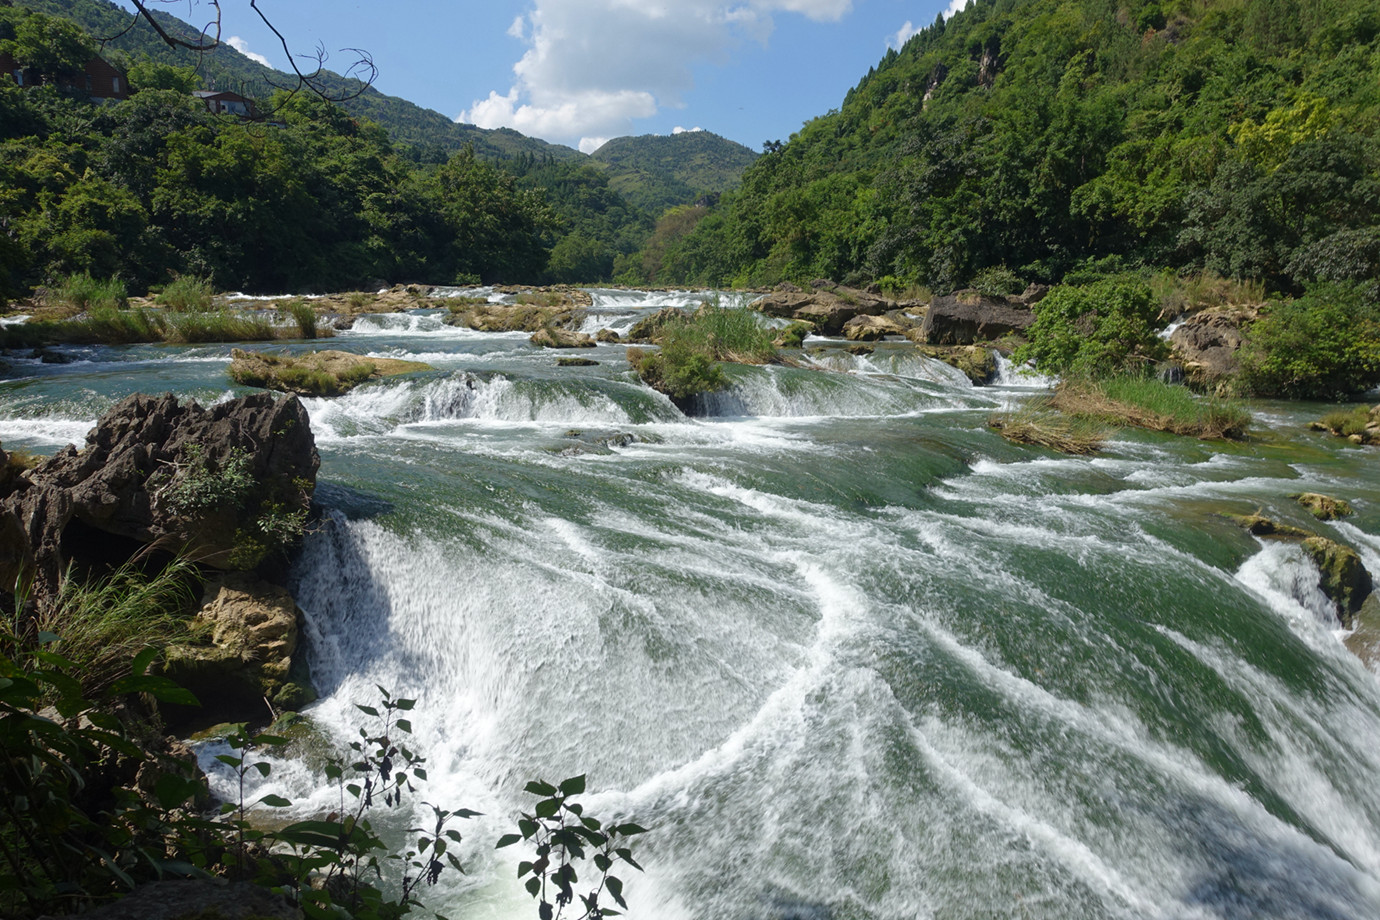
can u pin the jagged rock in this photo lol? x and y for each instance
(872, 328)
(828, 307)
(1322, 507)
(1207, 343)
(1344, 579)
(253, 635)
(314, 373)
(1033, 294)
(967, 318)
(225, 486)
(197, 899)
(561, 338)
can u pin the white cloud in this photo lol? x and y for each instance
(679, 130)
(903, 35)
(955, 6)
(592, 67)
(591, 144)
(242, 47)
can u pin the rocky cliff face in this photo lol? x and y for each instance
(226, 486)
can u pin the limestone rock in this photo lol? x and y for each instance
(967, 318)
(871, 328)
(1322, 507)
(252, 629)
(1207, 344)
(1261, 526)
(978, 362)
(515, 317)
(214, 484)
(828, 306)
(1344, 579)
(551, 337)
(607, 335)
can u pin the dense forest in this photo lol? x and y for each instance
(311, 196)
(1050, 140)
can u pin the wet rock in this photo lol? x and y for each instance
(1344, 579)
(647, 331)
(608, 335)
(1322, 507)
(978, 362)
(224, 486)
(1208, 343)
(576, 362)
(968, 317)
(561, 338)
(1261, 526)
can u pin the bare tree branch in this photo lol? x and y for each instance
(312, 78)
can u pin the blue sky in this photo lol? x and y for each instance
(577, 72)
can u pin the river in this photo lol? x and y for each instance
(842, 649)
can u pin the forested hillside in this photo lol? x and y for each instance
(426, 134)
(657, 172)
(1057, 139)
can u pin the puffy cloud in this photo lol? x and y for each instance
(903, 35)
(591, 144)
(955, 6)
(242, 47)
(594, 66)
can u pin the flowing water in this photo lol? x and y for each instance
(846, 652)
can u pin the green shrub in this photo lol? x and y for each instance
(997, 281)
(1096, 329)
(677, 370)
(1346, 422)
(1325, 345)
(187, 294)
(691, 346)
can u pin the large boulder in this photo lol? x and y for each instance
(561, 338)
(1206, 345)
(251, 627)
(968, 317)
(1344, 579)
(828, 306)
(226, 486)
(871, 328)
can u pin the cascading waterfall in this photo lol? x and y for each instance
(846, 652)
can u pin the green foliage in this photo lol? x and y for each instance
(692, 346)
(51, 46)
(1324, 345)
(677, 370)
(997, 281)
(1096, 329)
(564, 838)
(1347, 422)
(187, 294)
(198, 483)
(1175, 407)
(150, 74)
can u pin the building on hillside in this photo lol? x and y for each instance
(99, 79)
(224, 102)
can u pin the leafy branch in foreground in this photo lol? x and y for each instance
(564, 837)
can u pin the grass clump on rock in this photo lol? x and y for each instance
(318, 373)
(1039, 425)
(187, 294)
(1147, 402)
(691, 347)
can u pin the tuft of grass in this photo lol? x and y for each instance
(1180, 294)
(107, 325)
(358, 301)
(304, 316)
(1147, 402)
(1346, 422)
(692, 346)
(221, 326)
(82, 293)
(103, 621)
(187, 294)
(1037, 423)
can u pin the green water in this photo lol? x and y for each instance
(845, 651)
